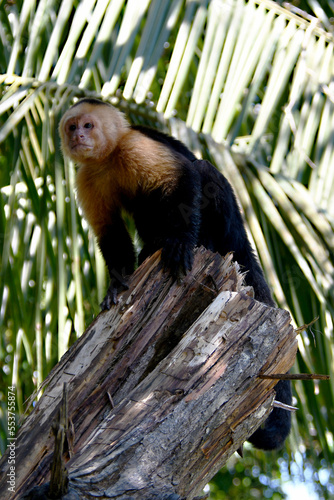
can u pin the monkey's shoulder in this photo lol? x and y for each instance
(167, 140)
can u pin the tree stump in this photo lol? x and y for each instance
(161, 389)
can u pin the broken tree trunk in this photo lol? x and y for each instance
(161, 389)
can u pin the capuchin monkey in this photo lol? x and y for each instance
(177, 202)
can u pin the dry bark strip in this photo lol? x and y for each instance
(163, 388)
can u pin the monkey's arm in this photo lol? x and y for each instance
(183, 224)
(118, 252)
(170, 221)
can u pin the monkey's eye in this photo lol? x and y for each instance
(88, 125)
(72, 127)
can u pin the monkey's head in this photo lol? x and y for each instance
(90, 130)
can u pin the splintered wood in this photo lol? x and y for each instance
(162, 388)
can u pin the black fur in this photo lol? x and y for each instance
(202, 210)
(272, 434)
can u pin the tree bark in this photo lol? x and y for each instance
(162, 388)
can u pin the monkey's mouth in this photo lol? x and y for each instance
(81, 148)
(80, 145)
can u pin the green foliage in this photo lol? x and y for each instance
(246, 84)
(245, 479)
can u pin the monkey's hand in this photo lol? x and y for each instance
(116, 285)
(177, 256)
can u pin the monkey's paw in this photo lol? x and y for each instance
(177, 257)
(111, 297)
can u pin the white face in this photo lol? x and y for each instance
(89, 133)
(81, 134)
